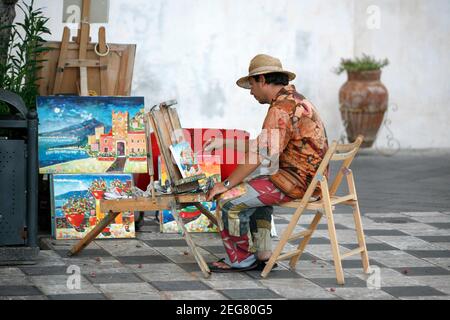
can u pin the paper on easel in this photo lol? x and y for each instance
(186, 159)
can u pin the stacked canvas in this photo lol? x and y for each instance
(92, 145)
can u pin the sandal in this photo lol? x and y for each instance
(262, 264)
(217, 269)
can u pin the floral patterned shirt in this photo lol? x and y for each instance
(293, 129)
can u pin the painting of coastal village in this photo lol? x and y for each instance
(91, 135)
(76, 209)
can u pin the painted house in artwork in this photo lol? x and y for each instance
(136, 143)
(120, 141)
(106, 144)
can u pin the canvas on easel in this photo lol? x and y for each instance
(186, 159)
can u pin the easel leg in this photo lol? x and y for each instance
(206, 212)
(80, 245)
(198, 257)
(61, 61)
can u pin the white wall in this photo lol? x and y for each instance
(415, 36)
(194, 51)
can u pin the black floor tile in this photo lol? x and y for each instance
(413, 291)
(430, 253)
(435, 238)
(189, 267)
(350, 282)
(80, 296)
(383, 232)
(113, 278)
(423, 271)
(319, 299)
(399, 220)
(44, 271)
(371, 246)
(276, 273)
(85, 253)
(308, 256)
(241, 294)
(214, 249)
(19, 291)
(315, 240)
(440, 225)
(143, 259)
(179, 285)
(167, 243)
(324, 226)
(354, 264)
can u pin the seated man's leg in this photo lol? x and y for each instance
(238, 205)
(261, 223)
(236, 235)
(269, 195)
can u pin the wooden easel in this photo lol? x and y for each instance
(167, 128)
(82, 63)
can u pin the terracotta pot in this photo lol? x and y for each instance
(75, 219)
(98, 194)
(363, 101)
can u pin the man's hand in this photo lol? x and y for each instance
(216, 190)
(213, 144)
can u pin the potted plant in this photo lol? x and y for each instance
(363, 99)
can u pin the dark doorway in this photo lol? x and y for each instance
(120, 149)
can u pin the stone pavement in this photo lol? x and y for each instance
(406, 216)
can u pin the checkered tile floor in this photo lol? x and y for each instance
(409, 251)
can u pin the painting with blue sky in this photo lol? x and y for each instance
(75, 205)
(91, 134)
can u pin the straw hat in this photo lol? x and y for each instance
(262, 64)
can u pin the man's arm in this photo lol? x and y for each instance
(241, 145)
(252, 162)
(238, 145)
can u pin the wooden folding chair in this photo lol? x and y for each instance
(327, 202)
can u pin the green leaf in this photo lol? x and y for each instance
(364, 63)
